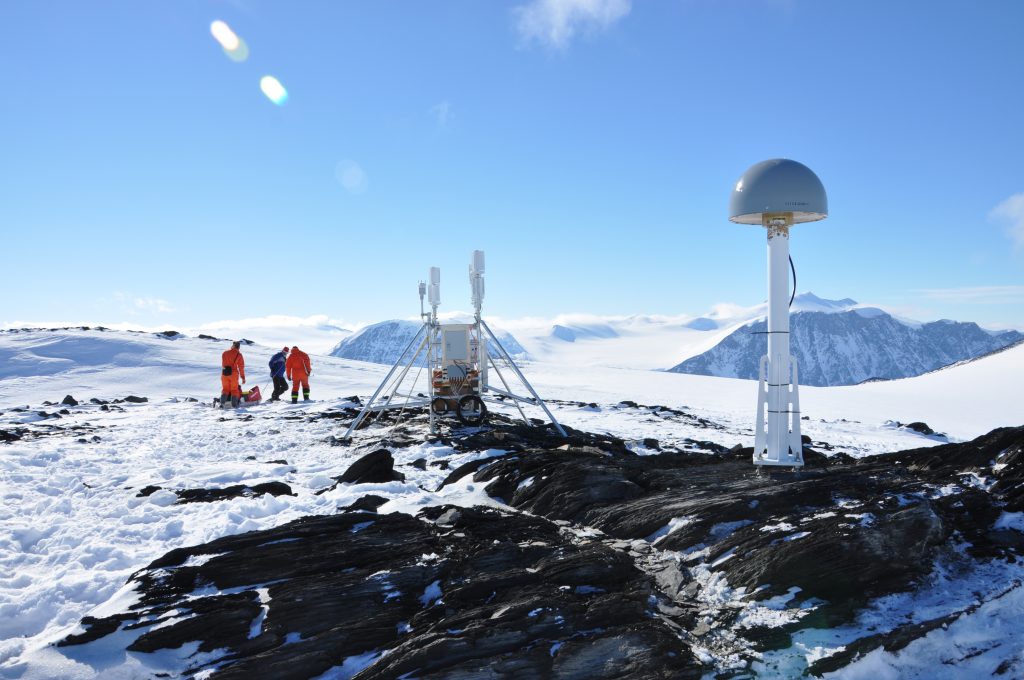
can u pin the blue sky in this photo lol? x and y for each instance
(588, 146)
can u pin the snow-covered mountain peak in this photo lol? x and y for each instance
(724, 315)
(870, 312)
(702, 323)
(809, 302)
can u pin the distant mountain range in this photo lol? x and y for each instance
(383, 343)
(841, 344)
(836, 342)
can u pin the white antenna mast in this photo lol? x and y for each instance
(435, 292)
(476, 281)
(777, 194)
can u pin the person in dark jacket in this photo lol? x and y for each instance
(277, 363)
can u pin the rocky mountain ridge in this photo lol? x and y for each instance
(850, 347)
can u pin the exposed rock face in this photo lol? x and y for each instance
(455, 593)
(619, 566)
(373, 468)
(367, 503)
(919, 427)
(225, 493)
(846, 348)
(376, 467)
(12, 435)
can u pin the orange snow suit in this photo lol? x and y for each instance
(298, 368)
(232, 359)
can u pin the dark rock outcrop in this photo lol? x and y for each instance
(224, 493)
(233, 491)
(615, 567)
(367, 503)
(454, 593)
(12, 435)
(375, 467)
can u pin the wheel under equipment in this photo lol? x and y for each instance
(471, 410)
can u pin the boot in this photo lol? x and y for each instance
(295, 397)
(223, 398)
(234, 402)
(305, 395)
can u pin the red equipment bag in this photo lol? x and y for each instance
(252, 396)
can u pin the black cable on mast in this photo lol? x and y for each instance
(793, 269)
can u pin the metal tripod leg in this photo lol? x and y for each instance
(508, 389)
(398, 382)
(369, 404)
(519, 374)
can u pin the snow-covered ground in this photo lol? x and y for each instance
(74, 527)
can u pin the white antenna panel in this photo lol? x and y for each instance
(435, 286)
(478, 262)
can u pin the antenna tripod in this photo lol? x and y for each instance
(458, 363)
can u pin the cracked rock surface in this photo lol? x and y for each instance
(602, 564)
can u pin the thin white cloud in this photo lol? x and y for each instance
(554, 23)
(977, 295)
(275, 321)
(143, 305)
(317, 333)
(351, 176)
(441, 112)
(1011, 213)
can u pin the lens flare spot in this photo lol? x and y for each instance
(234, 47)
(274, 90)
(240, 53)
(223, 34)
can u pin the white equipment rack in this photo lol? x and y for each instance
(458, 362)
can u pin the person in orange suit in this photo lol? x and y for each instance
(298, 369)
(232, 370)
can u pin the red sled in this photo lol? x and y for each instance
(252, 396)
